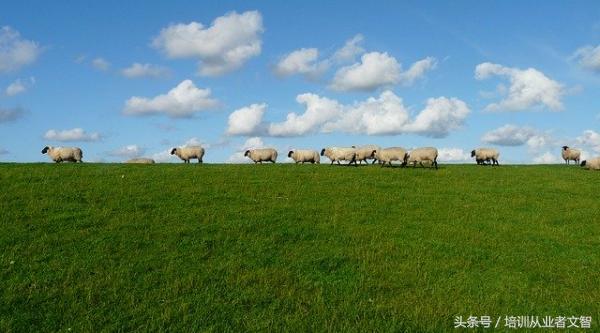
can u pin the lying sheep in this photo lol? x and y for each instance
(140, 160)
(365, 153)
(336, 154)
(387, 155)
(483, 155)
(60, 154)
(593, 164)
(301, 156)
(189, 153)
(570, 154)
(420, 155)
(262, 155)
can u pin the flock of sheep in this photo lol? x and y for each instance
(352, 155)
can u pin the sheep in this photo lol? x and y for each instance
(140, 160)
(60, 154)
(421, 155)
(188, 153)
(262, 155)
(336, 154)
(301, 156)
(365, 153)
(483, 155)
(387, 155)
(571, 154)
(593, 164)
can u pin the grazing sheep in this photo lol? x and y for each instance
(365, 153)
(593, 164)
(60, 154)
(301, 156)
(387, 155)
(140, 160)
(570, 154)
(421, 155)
(262, 155)
(188, 153)
(483, 155)
(336, 154)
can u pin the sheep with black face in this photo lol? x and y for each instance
(262, 155)
(570, 154)
(188, 153)
(304, 155)
(64, 154)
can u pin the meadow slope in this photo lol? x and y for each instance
(297, 248)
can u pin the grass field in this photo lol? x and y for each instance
(293, 248)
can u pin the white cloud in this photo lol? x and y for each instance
(547, 158)
(377, 70)
(318, 111)
(226, 45)
(195, 142)
(588, 57)
(101, 64)
(18, 87)
(16, 52)
(453, 155)
(250, 143)
(591, 139)
(350, 50)
(162, 156)
(247, 120)
(302, 61)
(3, 151)
(181, 101)
(529, 88)
(512, 135)
(75, 134)
(384, 115)
(137, 70)
(129, 151)
(11, 114)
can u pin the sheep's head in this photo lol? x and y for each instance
(565, 147)
(583, 163)
(247, 153)
(45, 150)
(173, 151)
(290, 153)
(473, 153)
(323, 152)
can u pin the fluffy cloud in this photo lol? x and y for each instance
(181, 101)
(377, 70)
(529, 88)
(302, 61)
(195, 142)
(137, 70)
(384, 115)
(350, 50)
(75, 134)
(547, 158)
(247, 120)
(512, 135)
(318, 111)
(588, 57)
(591, 139)
(453, 155)
(16, 52)
(250, 143)
(11, 114)
(19, 86)
(101, 64)
(226, 45)
(129, 151)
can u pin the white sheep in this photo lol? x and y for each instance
(483, 155)
(387, 155)
(262, 155)
(301, 156)
(420, 155)
(337, 154)
(64, 154)
(140, 160)
(593, 164)
(364, 153)
(571, 154)
(188, 153)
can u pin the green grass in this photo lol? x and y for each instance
(293, 248)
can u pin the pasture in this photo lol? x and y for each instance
(287, 247)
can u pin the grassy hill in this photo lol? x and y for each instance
(291, 247)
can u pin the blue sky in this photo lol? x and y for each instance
(520, 76)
